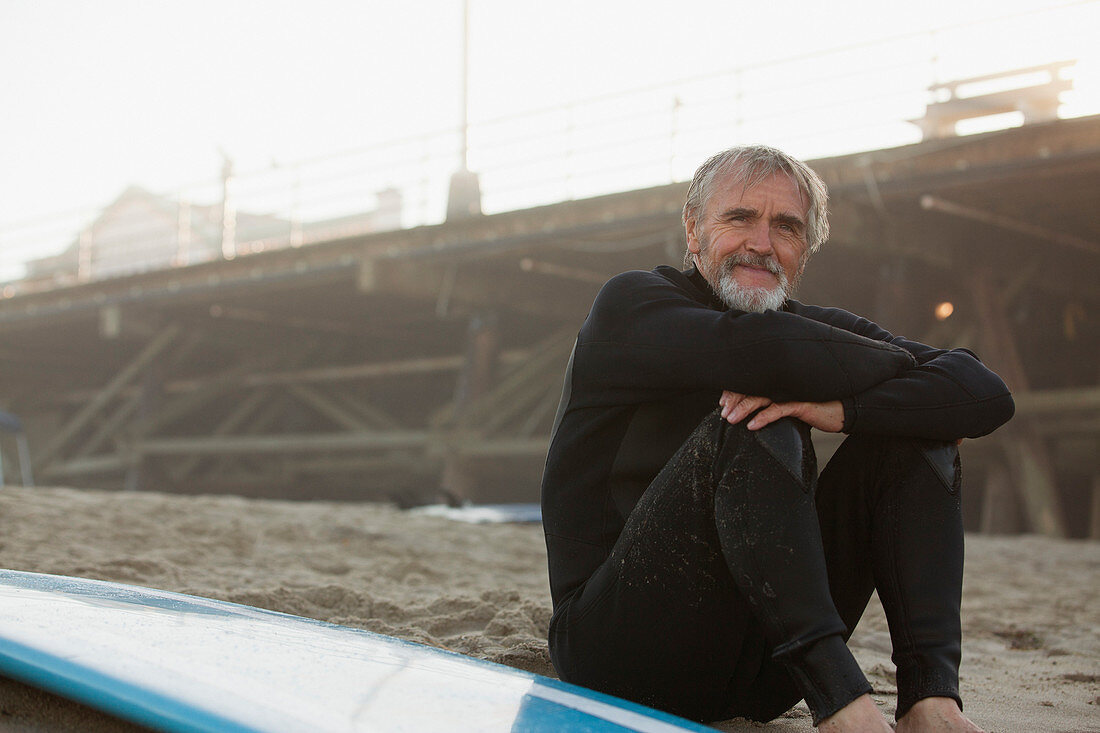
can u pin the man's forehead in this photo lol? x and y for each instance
(734, 189)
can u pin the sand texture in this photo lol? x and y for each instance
(1031, 607)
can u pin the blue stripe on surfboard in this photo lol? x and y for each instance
(109, 694)
(622, 714)
(547, 705)
(539, 715)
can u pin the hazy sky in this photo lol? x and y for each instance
(99, 95)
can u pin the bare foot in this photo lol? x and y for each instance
(936, 714)
(859, 716)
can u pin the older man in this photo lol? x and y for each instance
(698, 562)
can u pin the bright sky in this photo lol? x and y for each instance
(99, 95)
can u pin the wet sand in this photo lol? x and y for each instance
(1031, 605)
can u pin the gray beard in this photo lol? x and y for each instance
(751, 300)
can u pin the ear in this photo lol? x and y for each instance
(690, 228)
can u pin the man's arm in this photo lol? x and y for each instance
(646, 333)
(945, 395)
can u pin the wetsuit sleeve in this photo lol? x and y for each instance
(948, 394)
(647, 334)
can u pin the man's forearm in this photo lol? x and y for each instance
(948, 395)
(952, 396)
(971, 418)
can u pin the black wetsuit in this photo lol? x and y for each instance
(688, 557)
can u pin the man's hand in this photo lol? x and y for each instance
(736, 407)
(826, 416)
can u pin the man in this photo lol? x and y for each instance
(698, 563)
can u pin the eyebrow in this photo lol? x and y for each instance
(783, 218)
(729, 214)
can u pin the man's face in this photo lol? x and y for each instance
(750, 244)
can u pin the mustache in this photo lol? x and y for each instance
(751, 260)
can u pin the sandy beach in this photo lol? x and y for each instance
(1031, 605)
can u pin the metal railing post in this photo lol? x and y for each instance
(183, 231)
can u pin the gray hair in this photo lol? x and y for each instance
(751, 164)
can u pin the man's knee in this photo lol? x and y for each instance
(905, 455)
(786, 443)
(943, 457)
(940, 458)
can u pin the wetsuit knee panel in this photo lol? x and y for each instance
(894, 453)
(788, 442)
(943, 458)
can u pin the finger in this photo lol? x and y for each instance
(729, 400)
(746, 407)
(770, 414)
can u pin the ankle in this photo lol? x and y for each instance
(859, 716)
(936, 714)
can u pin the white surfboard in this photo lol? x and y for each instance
(183, 663)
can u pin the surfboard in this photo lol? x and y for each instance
(484, 513)
(176, 662)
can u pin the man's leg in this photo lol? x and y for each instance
(890, 518)
(719, 568)
(772, 542)
(661, 621)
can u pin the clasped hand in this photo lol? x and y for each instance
(827, 416)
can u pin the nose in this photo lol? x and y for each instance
(760, 239)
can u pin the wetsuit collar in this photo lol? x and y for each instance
(709, 296)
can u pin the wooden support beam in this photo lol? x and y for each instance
(1094, 513)
(403, 462)
(327, 407)
(23, 449)
(187, 402)
(547, 346)
(481, 364)
(1033, 467)
(1059, 426)
(229, 423)
(894, 295)
(1000, 514)
(150, 398)
(525, 401)
(257, 411)
(92, 465)
(542, 359)
(546, 407)
(282, 443)
(403, 367)
(107, 428)
(375, 417)
(260, 317)
(85, 415)
(347, 373)
(1035, 474)
(1057, 401)
(1006, 222)
(503, 447)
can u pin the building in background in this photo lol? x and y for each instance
(141, 231)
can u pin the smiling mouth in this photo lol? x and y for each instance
(755, 263)
(755, 271)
